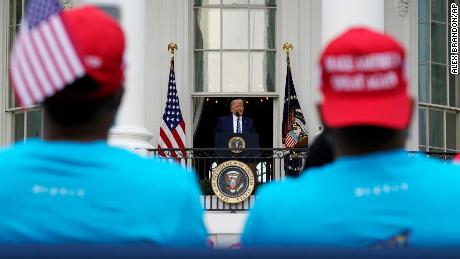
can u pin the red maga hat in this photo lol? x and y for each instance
(100, 42)
(363, 81)
(56, 47)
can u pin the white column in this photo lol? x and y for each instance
(339, 15)
(130, 126)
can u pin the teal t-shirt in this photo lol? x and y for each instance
(384, 199)
(73, 192)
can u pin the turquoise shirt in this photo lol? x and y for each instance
(384, 199)
(73, 192)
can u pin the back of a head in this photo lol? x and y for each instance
(320, 152)
(364, 87)
(83, 76)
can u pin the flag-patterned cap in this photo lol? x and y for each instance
(363, 81)
(55, 47)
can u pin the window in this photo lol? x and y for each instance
(26, 121)
(438, 98)
(234, 46)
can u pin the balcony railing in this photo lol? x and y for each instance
(267, 164)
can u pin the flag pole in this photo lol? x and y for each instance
(287, 47)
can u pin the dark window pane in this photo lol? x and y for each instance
(111, 10)
(15, 12)
(451, 131)
(438, 43)
(438, 84)
(423, 75)
(18, 127)
(454, 91)
(423, 10)
(422, 127)
(438, 10)
(436, 129)
(34, 124)
(423, 42)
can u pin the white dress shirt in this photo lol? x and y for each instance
(234, 123)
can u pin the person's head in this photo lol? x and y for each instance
(83, 103)
(365, 104)
(237, 107)
(320, 152)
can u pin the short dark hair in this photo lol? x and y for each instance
(362, 136)
(320, 152)
(68, 108)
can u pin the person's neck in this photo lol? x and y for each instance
(345, 150)
(78, 134)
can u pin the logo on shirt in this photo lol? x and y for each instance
(232, 181)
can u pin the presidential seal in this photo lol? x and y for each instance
(236, 144)
(232, 181)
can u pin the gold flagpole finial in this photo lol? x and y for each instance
(287, 47)
(172, 47)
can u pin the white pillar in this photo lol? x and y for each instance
(339, 15)
(130, 126)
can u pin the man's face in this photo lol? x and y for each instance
(237, 106)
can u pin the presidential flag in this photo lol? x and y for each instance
(43, 59)
(294, 129)
(172, 131)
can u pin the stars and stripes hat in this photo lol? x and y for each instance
(363, 81)
(55, 47)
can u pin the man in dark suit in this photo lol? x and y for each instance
(235, 123)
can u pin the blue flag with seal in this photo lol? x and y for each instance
(294, 129)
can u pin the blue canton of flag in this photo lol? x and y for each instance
(172, 131)
(38, 11)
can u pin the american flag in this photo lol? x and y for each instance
(172, 131)
(43, 59)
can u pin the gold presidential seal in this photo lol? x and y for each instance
(232, 181)
(236, 144)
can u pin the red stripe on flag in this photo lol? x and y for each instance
(178, 140)
(51, 56)
(42, 62)
(28, 62)
(63, 53)
(168, 143)
(290, 142)
(160, 151)
(21, 72)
